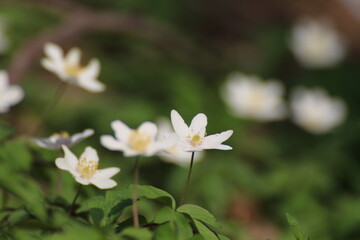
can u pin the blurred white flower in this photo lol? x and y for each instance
(56, 140)
(193, 137)
(85, 169)
(4, 41)
(248, 97)
(317, 44)
(174, 154)
(134, 142)
(316, 111)
(69, 69)
(9, 94)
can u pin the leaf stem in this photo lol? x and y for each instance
(57, 96)
(183, 196)
(136, 180)
(74, 201)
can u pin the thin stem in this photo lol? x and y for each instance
(183, 196)
(57, 96)
(74, 201)
(136, 180)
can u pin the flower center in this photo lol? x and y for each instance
(61, 134)
(73, 70)
(256, 100)
(139, 141)
(86, 168)
(196, 140)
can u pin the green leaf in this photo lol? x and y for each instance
(151, 192)
(222, 237)
(16, 154)
(296, 228)
(137, 233)
(199, 213)
(165, 232)
(5, 131)
(17, 216)
(196, 237)
(205, 231)
(176, 220)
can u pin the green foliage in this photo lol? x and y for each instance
(296, 228)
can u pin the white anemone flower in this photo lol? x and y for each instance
(193, 137)
(69, 69)
(134, 142)
(9, 94)
(174, 154)
(317, 44)
(249, 97)
(315, 111)
(85, 169)
(56, 140)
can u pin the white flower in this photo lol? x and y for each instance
(316, 111)
(249, 97)
(56, 140)
(174, 154)
(9, 94)
(134, 142)
(316, 44)
(193, 138)
(85, 169)
(68, 68)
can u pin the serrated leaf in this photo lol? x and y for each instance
(296, 228)
(177, 220)
(205, 231)
(199, 213)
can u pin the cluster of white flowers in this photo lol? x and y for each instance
(317, 44)
(314, 110)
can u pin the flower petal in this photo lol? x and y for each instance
(54, 52)
(82, 181)
(62, 164)
(91, 71)
(45, 143)
(215, 141)
(4, 80)
(80, 136)
(73, 57)
(105, 173)
(111, 143)
(148, 128)
(13, 95)
(122, 131)
(198, 125)
(179, 125)
(70, 158)
(90, 154)
(104, 183)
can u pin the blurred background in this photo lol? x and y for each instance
(161, 55)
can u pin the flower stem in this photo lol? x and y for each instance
(57, 96)
(136, 180)
(183, 196)
(74, 201)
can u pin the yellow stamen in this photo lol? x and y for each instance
(196, 140)
(86, 168)
(139, 141)
(61, 134)
(73, 71)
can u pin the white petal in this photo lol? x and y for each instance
(70, 158)
(179, 124)
(122, 131)
(92, 85)
(73, 57)
(50, 65)
(104, 184)
(111, 143)
(90, 154)
(80, 136)
(215, 141)
(198, 125)
(81, 180)
(54, 52)
(91, 71)
(105, 173)
(45, 143)
(62, 163)
(13, 95)
(148, 128)
(4, 80)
